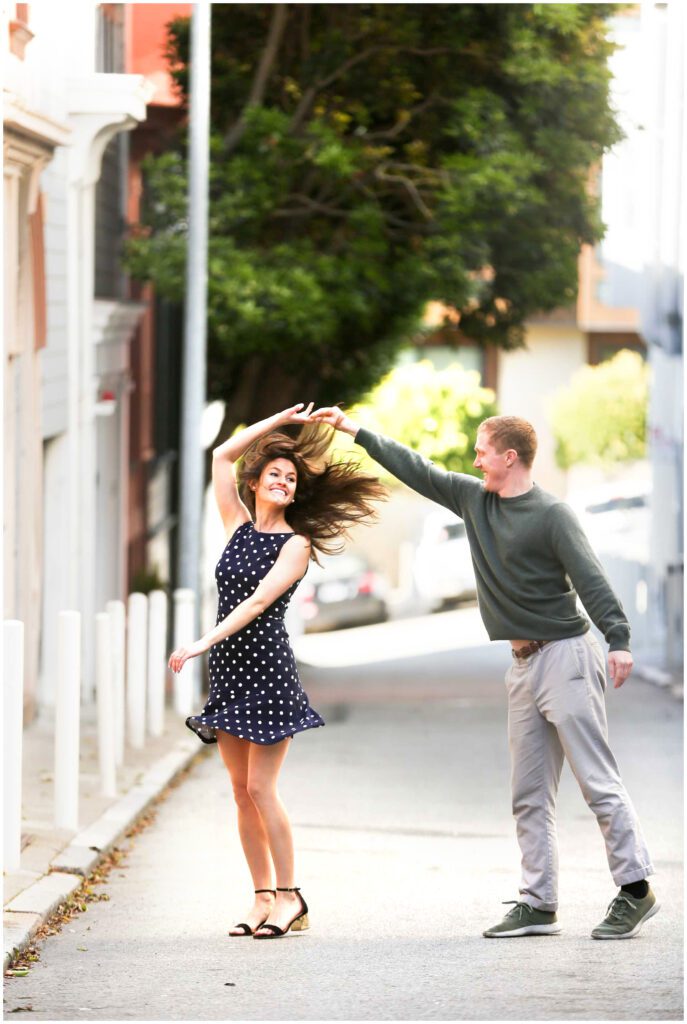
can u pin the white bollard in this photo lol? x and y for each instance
(67, 721)
(117, 613)
(184, 630)
(136, 668)
(13, 710)
(157, 661)
(106, 722)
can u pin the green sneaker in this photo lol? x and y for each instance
(524, 920)
(625, 916)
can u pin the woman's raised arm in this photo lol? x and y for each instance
(231, 508)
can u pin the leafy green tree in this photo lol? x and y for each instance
(434, 412)
(601, 417)
(367, 158)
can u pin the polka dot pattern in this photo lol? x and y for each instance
(255, 692)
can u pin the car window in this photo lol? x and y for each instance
(618, 504)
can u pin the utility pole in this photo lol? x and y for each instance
(195, 317)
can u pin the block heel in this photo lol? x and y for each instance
(299, 923)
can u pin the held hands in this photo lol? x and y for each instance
(178, 658)
(335, 418)
(619, 665)
(331, 415)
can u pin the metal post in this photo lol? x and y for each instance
(157, 661)
(117, 613)
(193, 384)
(136, 665)
(106, 724)
(67, 721)
(13, 685)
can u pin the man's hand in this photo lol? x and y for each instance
(335, 418)
(620, 665)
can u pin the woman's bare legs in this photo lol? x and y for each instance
(264, 765)
(264, 826)
(235, 754)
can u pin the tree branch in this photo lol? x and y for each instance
(411, 189)
(262, 74)
(312, 90)
(403, 121)
(309, 206)
(431, 176)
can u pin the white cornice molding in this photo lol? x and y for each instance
(37, 128)
(100, 106)
(114, 323)
(26, 152)
(115, 320)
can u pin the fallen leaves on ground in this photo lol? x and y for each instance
(78, 902)
(74, 905)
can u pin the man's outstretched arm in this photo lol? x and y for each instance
(408, 466)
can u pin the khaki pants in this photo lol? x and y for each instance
(556, 709)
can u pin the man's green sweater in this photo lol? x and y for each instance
(531, 556)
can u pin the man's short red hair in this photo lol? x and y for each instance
(512, 432)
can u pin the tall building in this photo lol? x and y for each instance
(68, 322)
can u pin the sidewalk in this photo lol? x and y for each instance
(647, 667)
(55, 862)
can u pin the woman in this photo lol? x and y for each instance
(288, 504)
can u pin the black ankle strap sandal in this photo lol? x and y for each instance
(246, 928)
(297, 924)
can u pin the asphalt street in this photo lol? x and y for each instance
(405, 850)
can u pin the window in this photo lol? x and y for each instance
(603, 346)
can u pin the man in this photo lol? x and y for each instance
(532, 560)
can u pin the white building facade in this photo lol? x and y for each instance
(65, 468)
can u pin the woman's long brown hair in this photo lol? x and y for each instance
(330, 496)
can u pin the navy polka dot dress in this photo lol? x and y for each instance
(255, 692)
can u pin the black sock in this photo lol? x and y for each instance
(637, 889)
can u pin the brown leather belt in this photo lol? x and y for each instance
(530, 648)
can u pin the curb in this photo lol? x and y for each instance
(660, 678)
(31, 908)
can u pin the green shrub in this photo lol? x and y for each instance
(601, 417)
(434, 412)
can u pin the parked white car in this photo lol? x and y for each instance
(443, 570)
(616, 520)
